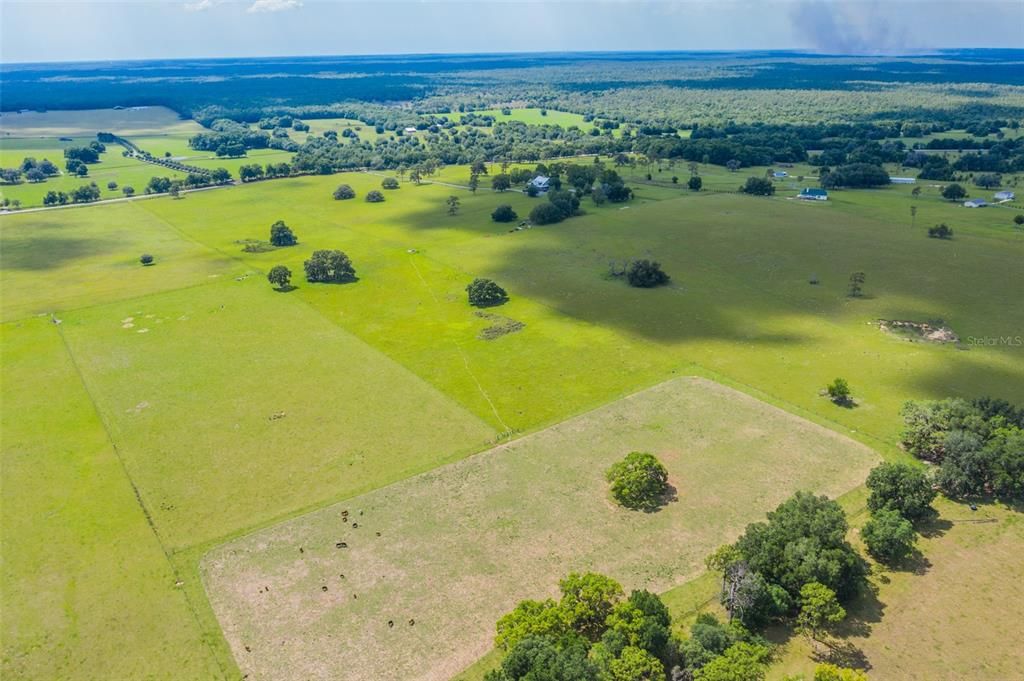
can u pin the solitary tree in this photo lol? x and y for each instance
(645, 274)
(453, 204)
(282, 235)
(374, 196)
(758, 186)
(474, 182)
(819, 611)
(389, 183)
(839, 391)
(695, 183)
(639, 481)
(1018, 220)
(280, 276)
(146, 259)
(128, 190)
(940, 231)
(953, 192)
(856, 286)
(485, 292)
(344, 192)
(501, 183)
(329, 266)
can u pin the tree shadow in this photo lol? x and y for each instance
(933, 526)
(285, 289)
(670, 495)
(842, 654)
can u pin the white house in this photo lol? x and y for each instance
(541, 182)
(813, 194)
(780, 174)
(410, 129)
(975, 203)
(1004, 196)
(902, 180)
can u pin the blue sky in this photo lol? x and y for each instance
(72, 30)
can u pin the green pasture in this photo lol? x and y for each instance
(55, 261)
(436, 548)
(238, 406)
(87, 590)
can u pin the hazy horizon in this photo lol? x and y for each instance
(90, 31)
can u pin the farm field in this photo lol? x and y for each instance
(433, 549)
(211, 406)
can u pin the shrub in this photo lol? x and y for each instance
(280, 276)
(485, 292)
(344, 192)
(889, 536)
(504, 213)
(758, 186)
(639, 481)
(940, 231)
(645, 274)
(282, 235)
(128, 190)
(111, 185)
(839, 391)
(695, 183)
(329, 266)
(374, 196)
(146, 259)
(389, 183)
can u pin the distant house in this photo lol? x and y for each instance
(902, 180)
(975, 203)
(541, 182)
(1004, 196)
(780, 174)
(410, 129)
(813, 194)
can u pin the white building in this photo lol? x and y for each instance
(541, 182)
(1004, 196)
(902, 180)
(975, 203)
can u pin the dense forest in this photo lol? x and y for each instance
(674, 89)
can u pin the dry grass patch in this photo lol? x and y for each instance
(455, 548)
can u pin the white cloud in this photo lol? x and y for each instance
(201, 5)
(273, 5)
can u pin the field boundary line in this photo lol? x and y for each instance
(462, 354)
(138, 498)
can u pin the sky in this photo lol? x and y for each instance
(87, 30)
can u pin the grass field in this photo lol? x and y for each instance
(365, 373)
(442, 553)
(87, 590)
(46, 135)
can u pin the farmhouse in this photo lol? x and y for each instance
(902, 180)
(975, 203)
(813, 194)
(1004, 196)
(410, 129)
(541, 182)
(780, 174)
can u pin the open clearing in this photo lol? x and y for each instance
(442, 555)
(739, 310)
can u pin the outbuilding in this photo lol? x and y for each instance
(813, 194)
(975, 203)
(902, 180)
(1004, 196)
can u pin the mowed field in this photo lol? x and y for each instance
(231, 406)
(453, 549)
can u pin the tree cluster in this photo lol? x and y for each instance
(978, 445)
